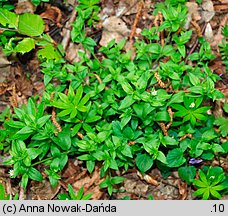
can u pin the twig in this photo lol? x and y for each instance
(163, 127)
(13, 98)
(171, 118)
(185, 136)
(133, 29)
(160, 82)
(98, 78)
(53, 118)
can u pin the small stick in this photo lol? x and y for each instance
(160, 82)
(13, 98)
(80, 135)
(171, 118)
(185, 136)
(133, 30)
(53, 118)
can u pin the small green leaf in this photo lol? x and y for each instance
(126, 102)
(34, 174)
(117, 180)
(24, 46)
(24, 180)
(144, 162)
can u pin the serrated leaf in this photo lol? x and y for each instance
(8, 18)
(31, 24)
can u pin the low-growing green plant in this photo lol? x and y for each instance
(118, 112)
(73, 196)
(210, 183)
(109, 182)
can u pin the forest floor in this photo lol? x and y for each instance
(23, 72)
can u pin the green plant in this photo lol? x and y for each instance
(73, 196)
(191, 110)
(22, 162)
(30, 27)
(115, 112)
(109, 182)
(4, 196)
(211, 181)
(6, 5)
(72, 103)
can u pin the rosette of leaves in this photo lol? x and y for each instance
(212, 181)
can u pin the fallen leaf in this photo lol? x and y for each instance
(113, 28)
(183, 189)
(43, 190)
(149, 179)
(208, 11)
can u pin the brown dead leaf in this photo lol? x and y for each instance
(221, 7)
(90, 184)
(52, 15)
(208, 11)
(127, 7)
(70, 170)
(183, 189)
(148, 178)
(25, 7)
(113, 28)
(43, 190)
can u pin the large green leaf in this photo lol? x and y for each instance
(31, 24)
(8, 18)
(175, 158)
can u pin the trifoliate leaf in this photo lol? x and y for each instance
(24, 46)
(8, 18)
(31, 24)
